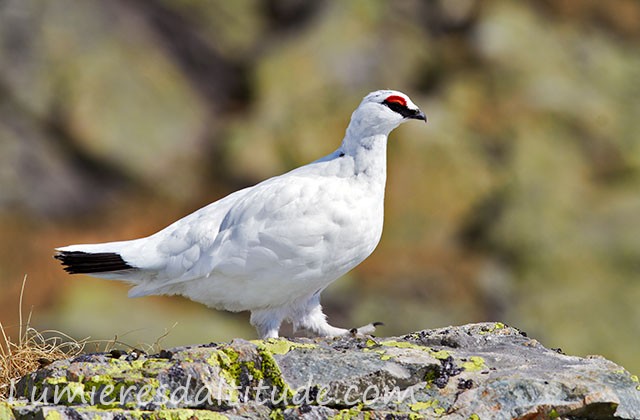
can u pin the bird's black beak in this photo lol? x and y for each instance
(417, 115)
(421, 116)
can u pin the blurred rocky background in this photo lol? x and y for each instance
(519, 201)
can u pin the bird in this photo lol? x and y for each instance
(271, 248)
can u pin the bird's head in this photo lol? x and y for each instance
(382, 111)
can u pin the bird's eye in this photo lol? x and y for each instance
(397, 104)
(395, 99)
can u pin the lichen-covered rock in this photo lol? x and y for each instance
(474, 371)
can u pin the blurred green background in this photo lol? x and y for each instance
(519, 201)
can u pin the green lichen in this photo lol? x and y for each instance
(438, 354)
(423, 405)
(383, 354)
(98, 380)
(431, 376)
(152, 367)
(474, 364)
(56, 380)
(227, 360)
(105, 391)
(267, 369)
(53, 415)
(495, 327)
(75, 393)
(281, 345)
(276, 414)
(163, 414)
(553, 414)
(60, 388)
(402, 345)
(6, 412)
(433, 405)
(188, 414)
(105, 385)
(352, 413)
(271, 371)
(474, 416)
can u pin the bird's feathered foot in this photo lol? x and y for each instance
(366, 329)
(307, 317)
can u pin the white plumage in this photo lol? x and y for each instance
(271, 248)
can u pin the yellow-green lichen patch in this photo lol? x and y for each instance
(59, 389)
(281, 345)
(6, 412)
(52, 415)
(55, 380)
(422, 405)
(265, 368)
(432, 374)
(403, 345)
(383, 354)
(271, 371)
(352, 413)
(163, 414)
(226, 359)
(474, 416)
(492, 328)
(152, 367)
(474, 364)
(432, 405)
(187, 414)
(440, 354)
(111, 390)
(437, 354)
(276, 414)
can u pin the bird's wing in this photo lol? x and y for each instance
(170, 254)
(278, 223)
(277, 228)
(297, 227)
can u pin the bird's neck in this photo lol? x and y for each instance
(369, 155)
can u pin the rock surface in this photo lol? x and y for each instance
(476, 371)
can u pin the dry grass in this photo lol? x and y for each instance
(32, 350)
(35, 349)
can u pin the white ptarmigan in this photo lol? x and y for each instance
(272, 248)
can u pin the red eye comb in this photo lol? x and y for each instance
(396, 99)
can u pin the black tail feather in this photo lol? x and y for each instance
(78, 262)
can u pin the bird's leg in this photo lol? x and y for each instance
(314, 322)
(310, 318)
(267, 322)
